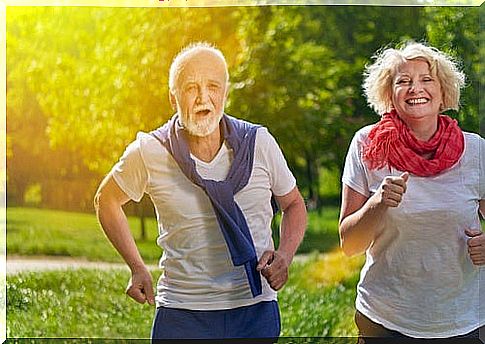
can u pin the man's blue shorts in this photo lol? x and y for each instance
(261, 320)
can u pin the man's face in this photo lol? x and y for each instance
(200, 93)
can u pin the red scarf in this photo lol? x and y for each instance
(391, 143)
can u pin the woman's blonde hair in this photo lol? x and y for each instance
(378, 77)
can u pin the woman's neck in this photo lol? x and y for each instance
(423, 129)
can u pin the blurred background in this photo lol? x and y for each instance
(82, 81)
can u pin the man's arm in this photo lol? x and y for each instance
(107, 202)
(274, 264)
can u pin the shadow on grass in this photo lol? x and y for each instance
(314, 241)
(16, 225)
(321, 234)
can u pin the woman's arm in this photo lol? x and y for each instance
(476, 242)
(360, 217)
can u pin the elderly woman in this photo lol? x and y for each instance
(413, 186)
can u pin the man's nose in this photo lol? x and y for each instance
(203, 95)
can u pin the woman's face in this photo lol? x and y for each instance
(416, 92)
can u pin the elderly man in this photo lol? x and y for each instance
(211, 178)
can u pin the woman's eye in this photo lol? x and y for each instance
(403, 82)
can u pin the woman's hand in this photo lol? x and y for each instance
(392, 189)
(360, 217)
(476, 246)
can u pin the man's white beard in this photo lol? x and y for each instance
(201, 127)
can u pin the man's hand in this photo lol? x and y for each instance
(476, 246)
(140, 286)
(274, 267)
(392, 190)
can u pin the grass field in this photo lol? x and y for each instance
(33, 231)
(92, 303)
(57, 233)
(317, 300)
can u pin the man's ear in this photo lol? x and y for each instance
(226, 94)
(173, 100)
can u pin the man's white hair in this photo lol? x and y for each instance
(189, 51)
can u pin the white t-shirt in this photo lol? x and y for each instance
(418, 278)
(197, 270)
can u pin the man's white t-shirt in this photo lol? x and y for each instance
(197, 270)
(418, 278)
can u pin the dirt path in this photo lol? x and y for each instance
(16, 264)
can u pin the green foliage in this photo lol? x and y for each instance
(33, 195)
(91, 303)
(86, 79)
(330, 185)
(98, 74)
(300, 74)
(456, 30)
(58, 233)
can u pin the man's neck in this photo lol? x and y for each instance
(205, 148)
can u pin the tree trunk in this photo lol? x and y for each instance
(313, 182)
(140, 211)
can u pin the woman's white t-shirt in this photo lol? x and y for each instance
(418, 278)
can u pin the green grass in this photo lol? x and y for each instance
(74, 303)
(317, 301)
(320, 312)
(33, 231)
(92, 303)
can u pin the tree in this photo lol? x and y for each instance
(300, 74)
(456, 30)
(87, 79)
